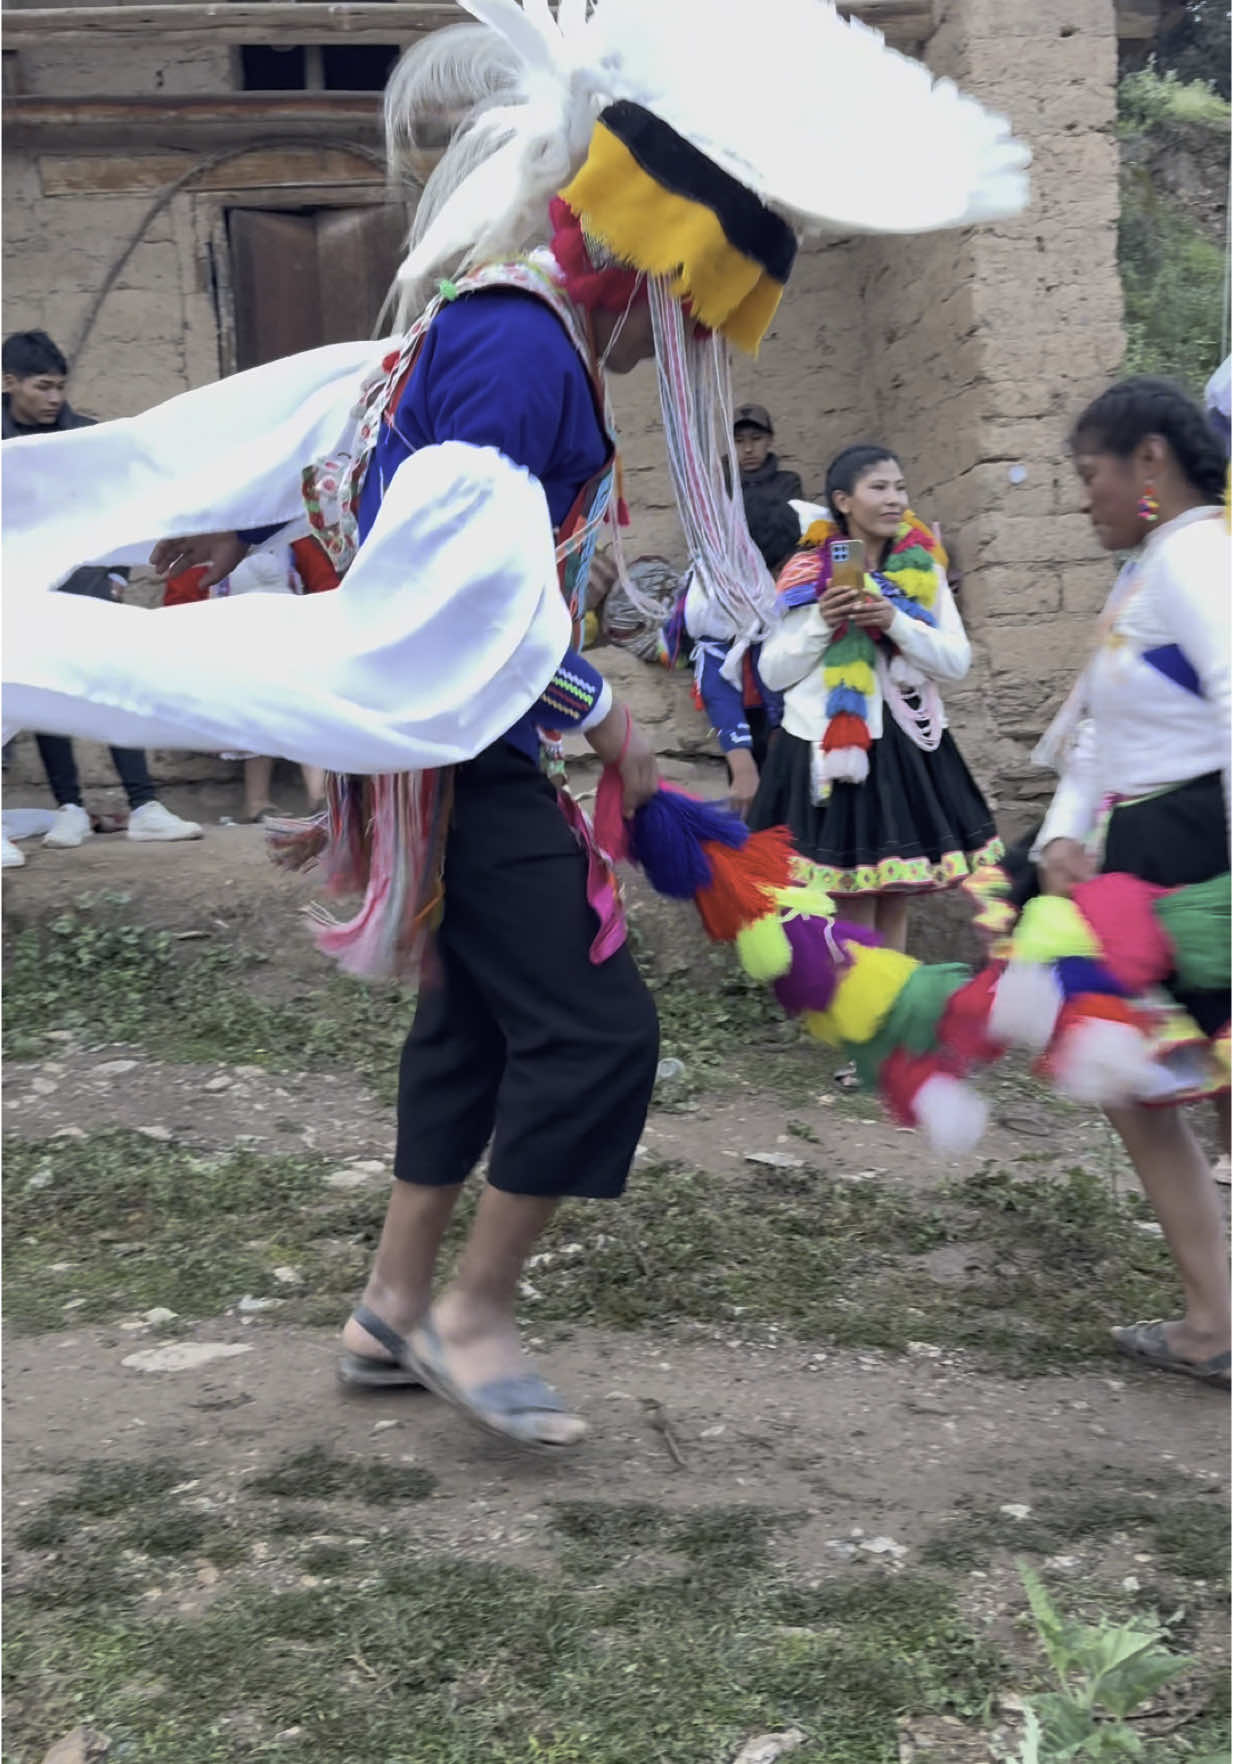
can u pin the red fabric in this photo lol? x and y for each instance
(313, 567)
(752, 696)
(185, 588)
(598, 290)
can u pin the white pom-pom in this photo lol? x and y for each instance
(1104, 1063)
(845, 765)
(952, 1115)
(1027, 1001)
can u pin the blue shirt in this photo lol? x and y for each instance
(497, 369)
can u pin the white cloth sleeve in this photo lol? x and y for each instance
(941, 651)
(1076, 801)
(1202, 630)
(443, 633)
(794, 647)
(599, 710)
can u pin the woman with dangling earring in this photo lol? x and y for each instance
(1145, 791)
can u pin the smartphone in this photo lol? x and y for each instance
(848, 564)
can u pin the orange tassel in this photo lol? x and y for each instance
(744, 881)
(846, 730)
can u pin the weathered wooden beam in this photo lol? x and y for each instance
(70, 125)
(907, 23)
(261, 168)
(226, 21)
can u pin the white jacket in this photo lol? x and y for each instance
(792, 657)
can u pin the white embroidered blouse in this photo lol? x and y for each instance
(1153, 706)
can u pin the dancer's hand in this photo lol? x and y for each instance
(1064, 864)
(837, 605)
(872, 613)
(218, 553)
(744, 785)
(618, 741)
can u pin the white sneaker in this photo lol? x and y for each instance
(12, 858)
(71, 827)
(153, 821)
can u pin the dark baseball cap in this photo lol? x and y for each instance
(753, 416)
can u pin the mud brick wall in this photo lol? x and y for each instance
(968, 353)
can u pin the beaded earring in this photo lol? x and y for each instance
(1149, 507)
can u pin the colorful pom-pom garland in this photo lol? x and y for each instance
(1068, 988)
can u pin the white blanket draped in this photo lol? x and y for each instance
(446, 629)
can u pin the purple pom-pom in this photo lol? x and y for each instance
(666, 838)
(818, 959)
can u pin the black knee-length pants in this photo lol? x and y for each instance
(520, 1038)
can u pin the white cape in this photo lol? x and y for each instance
(447, 627)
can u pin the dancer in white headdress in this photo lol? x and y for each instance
(667, 156)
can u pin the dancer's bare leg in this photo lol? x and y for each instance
(891, 920)
(314, 787)
(1178, 1183)
(399, 1287)
(475, 1315)
(258, 776)
(857, 909)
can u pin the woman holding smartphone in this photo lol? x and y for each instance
(865, 772)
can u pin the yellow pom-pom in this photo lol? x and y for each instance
(763, 948)
(817, 1024)
(1051, 928)
(864, 996)
(858, 675)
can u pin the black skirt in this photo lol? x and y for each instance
(918, 823)
(1172, 840)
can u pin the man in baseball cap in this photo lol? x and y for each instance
(768, 491)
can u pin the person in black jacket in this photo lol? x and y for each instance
(34, 403)
(768, 491)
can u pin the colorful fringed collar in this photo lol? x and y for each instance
(909, 580)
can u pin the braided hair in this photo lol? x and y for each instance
(1129, 412)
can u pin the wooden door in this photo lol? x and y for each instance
(303, 279)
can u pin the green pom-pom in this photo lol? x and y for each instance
(448, 290)
(914, 1018)
(1196, 922)
(763, 948)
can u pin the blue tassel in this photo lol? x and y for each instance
(666, 839)
(1079, 974)
(845, 698)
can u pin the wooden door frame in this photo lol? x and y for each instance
(210, 227)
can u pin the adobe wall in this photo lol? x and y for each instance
(968, 353)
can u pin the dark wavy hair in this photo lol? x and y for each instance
(1129, 412)
(848, 468)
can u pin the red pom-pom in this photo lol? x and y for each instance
(744, 880)
(846, 730)
(963, 1031)
(1133, 944)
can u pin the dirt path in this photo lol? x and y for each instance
(927, 1467)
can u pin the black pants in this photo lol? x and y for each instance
(56, 753)
(521, 1039)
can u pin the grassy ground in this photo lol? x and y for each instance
(1053, 1262)
(310, 1610)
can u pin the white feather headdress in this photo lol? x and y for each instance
(813, 115)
